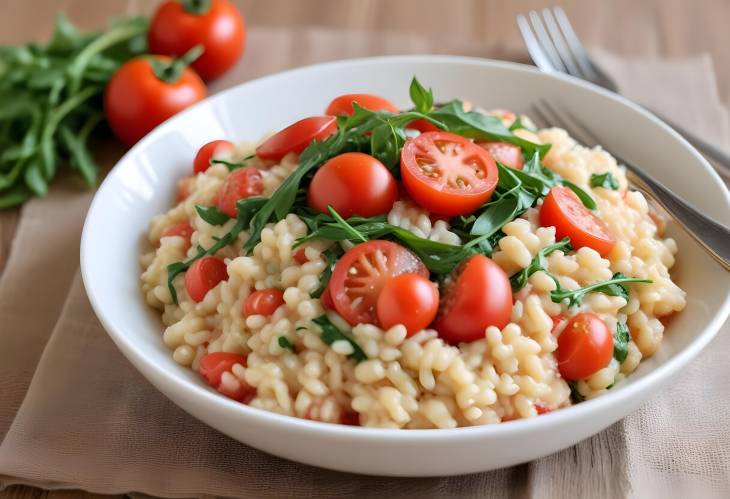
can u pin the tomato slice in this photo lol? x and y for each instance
(342, 105)
(326, 299)
(584, 347)
(208, 152)
(361, 273)
(423, 126)
(408, 299)
(562, 209)
(263, 302)
(203, 275)
(296, 137)
(184, 230)
(240, 184)
(506, 153)
(213, 365)
(477, 296)
(447, 174)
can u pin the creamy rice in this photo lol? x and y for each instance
(418, 381)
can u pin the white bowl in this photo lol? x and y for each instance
(143, 184)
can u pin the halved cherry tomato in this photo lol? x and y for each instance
(353, 184)
(408, 299)
(296, 137)
(178, 26)
(326, 299)
(350, 418)
(477, 296)
(342, 105)
(447, 174)
(203, 275)
(584, 347)
(563, 210)
(506, 153)
(361, 273)
(208, 152)
(240, 184)
(184, 230)
(136, 99)
(541, 409)
(263, 302)
(300, 256)
(558, 321)
(423, 126)
(213, 365)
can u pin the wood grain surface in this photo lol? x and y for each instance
(662, 28)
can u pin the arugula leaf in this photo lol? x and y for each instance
(584, 197)
(330, 334)
(332, 255)
(481, 126)
(232, 165)
(518, 125)
(519, 280)
(422, 98)
(285, 343)
(605, 180)
(495, 216)
(612, 287)
(211, 214)
(352, 232)
(575, 395)
(621, 342)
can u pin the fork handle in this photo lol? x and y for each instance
(713, 236)
(720, 157)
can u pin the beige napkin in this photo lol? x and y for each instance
(86, 419)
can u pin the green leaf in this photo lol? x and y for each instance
(232, 165)
(613, 287)
(332, 255)
(285, 343)
(575, 395)
(584, 197)
(621, 342)
(14, 196)
(330, 334)
(519, 280)
(79, 155)
(422, 98)
(495, 216)
(605, 180)
(211, 214)
(34, 179)
(349, 229)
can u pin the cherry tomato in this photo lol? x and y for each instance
(240, 184)
(584, 347)
(296, 137)
(203, 275)
(361, 273)
(423, 126)
(350, 418)
(541, 409)
(213, 365)
(184, 187)
(506, 153)
(326, 299)
(342, 105)
(477, 296)
(210, 151)
(184, 230)
(178, 26)
(136, 100)
(563, 210)
(558, 322)
(353, 184)
(408, 299)
(447, 174)
(263, 302)
(300, 256)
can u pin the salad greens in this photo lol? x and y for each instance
(49, 103)
(621, 342)
(612, 287)
(605, 180)
(519, 280)
(330, 334)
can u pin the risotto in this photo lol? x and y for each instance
(431, 268)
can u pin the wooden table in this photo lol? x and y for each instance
(662, 28)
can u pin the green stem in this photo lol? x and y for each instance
(198, 7)
(171, 71)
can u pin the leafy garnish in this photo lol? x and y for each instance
(332, 255)
(605, 180)
(232, 165)
(575, 395)
(621, 342)
(285, 343)
(612, 287)
(584, 197)
(519, 280)
(330, 334)
(211, 214)
(422, 98)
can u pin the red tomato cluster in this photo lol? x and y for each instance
(147, 90)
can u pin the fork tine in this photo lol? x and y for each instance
(569, 122)
(579, 52)
(545, 42)
(561, 47)
(533, 47)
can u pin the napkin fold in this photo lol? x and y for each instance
(74, 413)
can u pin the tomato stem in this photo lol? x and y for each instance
(198, 7)
(170, 72)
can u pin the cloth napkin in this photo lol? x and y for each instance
(74, 413)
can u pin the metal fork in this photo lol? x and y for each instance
(554, 47)
(713, 236)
